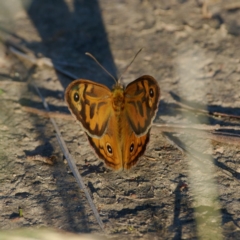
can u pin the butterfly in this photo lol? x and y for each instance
(117, 122)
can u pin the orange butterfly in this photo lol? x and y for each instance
(117, 123)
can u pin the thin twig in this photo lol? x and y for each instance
(71, 162)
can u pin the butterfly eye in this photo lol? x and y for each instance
(131, 147)
(151, 92)
(76, 97)
(109, 148)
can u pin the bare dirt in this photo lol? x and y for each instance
(169, 194)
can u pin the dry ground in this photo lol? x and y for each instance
(169, 194)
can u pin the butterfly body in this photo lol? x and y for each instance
(118, 99)
(117, 122)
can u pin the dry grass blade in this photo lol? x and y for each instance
(203, 127)
(200, 131)
(71, 163)
(203, 111)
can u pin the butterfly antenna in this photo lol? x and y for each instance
(129, 64)
(99, 64)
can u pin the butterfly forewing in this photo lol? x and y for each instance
(141, 103)
(90, 103)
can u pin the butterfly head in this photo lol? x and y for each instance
(118, 85)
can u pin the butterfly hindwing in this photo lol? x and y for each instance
(119, 152)
(133, 148)
(108, 147)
